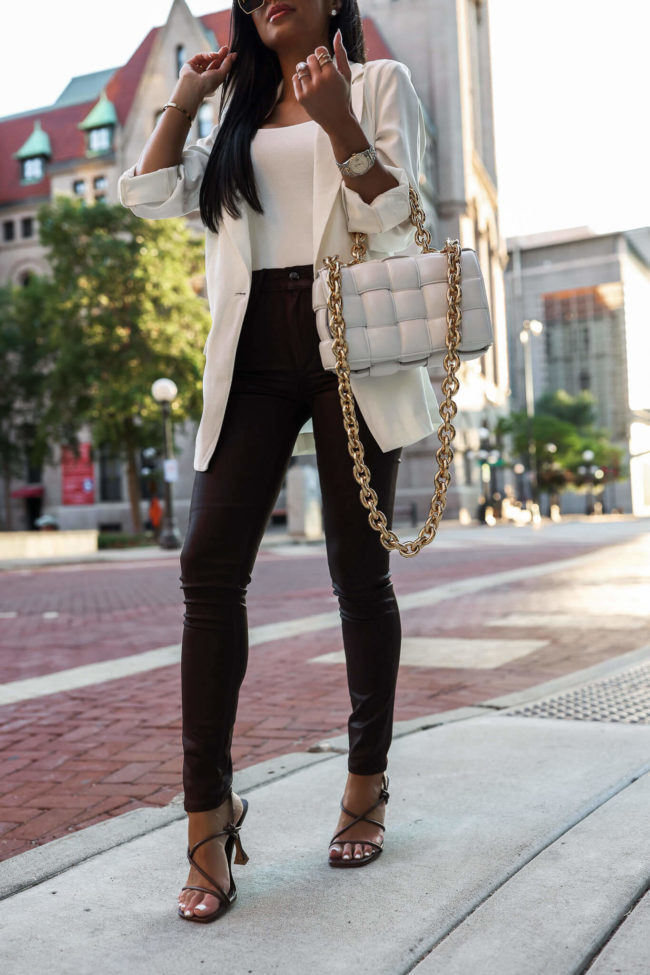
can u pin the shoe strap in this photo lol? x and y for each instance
(230, 830)
(378, 846)
(219, 893)
(383, 797)
(211, 879)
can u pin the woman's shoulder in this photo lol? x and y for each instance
(385, 67)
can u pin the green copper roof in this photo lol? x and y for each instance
(103, 113)
(84, 88)
(38, 144)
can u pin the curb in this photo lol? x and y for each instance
(42, 863)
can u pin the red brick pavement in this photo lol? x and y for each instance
(72, 759)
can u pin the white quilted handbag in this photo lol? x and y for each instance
(401, 312)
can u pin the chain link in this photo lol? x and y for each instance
(450, 384)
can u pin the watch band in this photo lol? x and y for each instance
(369, 154)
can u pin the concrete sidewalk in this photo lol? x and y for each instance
(515, 843)
(274, 535)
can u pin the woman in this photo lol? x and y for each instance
(299, 113)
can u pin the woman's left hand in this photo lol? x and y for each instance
(325, 91)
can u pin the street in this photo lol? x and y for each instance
(89, 656)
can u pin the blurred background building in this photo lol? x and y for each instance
(592, 294)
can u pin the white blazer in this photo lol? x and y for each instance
(399, 409)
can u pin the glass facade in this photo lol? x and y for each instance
(584, 337)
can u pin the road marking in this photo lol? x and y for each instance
(75, 677)
(418, 651)
(569, 620)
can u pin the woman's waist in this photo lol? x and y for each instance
(280, 278)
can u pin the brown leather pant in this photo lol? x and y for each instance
(278, 382)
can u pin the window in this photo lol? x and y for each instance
(100, 182)
(99, 140)
(181, 57)
(25, 278)
(27, 227)
(33, 169)
(110, 475)
(79, 187)
(8, 230)
(205, 120)
(99, 197)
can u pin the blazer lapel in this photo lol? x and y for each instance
(327, 181)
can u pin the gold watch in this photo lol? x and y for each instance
(359, 163)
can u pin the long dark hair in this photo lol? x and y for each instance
(250, 91)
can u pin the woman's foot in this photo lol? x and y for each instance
(211, 856)
(360, 793)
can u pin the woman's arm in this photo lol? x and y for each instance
(166, 180)
(164, 147)
(348, 139)
(373, 204)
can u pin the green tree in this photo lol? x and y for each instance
(566, 423)
(125, 309)
(578, 410)
(26, 358)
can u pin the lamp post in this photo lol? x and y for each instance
(588, 456)
(490, 460)
(530, 327)
(519, 471)
(164, 392)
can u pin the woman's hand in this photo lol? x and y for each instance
(325, 91)
(205, 72)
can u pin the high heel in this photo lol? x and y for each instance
(241, 857)
(339, 861)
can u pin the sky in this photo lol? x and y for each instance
(570, 91)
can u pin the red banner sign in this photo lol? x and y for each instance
(78, 476)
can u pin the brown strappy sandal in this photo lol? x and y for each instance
(339, 861)
(241, 857)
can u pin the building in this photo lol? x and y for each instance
(446, 44)
(592, 294)
(96, 128)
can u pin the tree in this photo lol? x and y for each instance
(565, 423)
(125, 309)
(27, 354)
(578, 410)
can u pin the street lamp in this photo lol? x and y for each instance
(530, 327)
(490, 459)
(588, 456)
(519, 470)
(164, 392)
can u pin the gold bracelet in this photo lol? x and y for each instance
(174, 105)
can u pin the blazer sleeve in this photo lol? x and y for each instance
(169, 192)
(400, 142)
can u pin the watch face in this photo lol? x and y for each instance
(359, 164)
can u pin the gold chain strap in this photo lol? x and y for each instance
(448, 409)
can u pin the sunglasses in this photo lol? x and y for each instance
(248, 6)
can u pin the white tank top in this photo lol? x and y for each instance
(283, 163)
